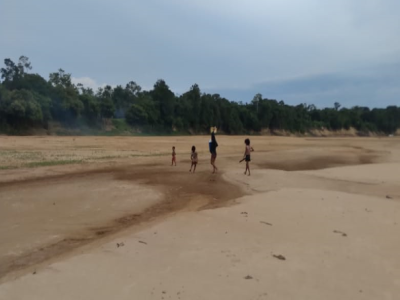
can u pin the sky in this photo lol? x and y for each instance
(309, 51)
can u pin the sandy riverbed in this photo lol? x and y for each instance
(330, 207)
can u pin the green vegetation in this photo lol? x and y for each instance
(106, 157)
(150, 155)
(7, 167)
(51, 163)
(28, 101)
(41, 164)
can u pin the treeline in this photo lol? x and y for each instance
(27, 101)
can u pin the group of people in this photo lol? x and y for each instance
(213, 150)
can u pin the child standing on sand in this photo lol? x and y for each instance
(173, 156)
(213, 148)
(247, 152)
(194, 159)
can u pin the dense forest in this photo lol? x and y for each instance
(28, 101)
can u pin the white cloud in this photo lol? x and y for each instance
(87, 82)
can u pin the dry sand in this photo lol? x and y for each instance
(318, 219)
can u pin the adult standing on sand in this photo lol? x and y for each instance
(213, 148)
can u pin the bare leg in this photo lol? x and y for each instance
(213, 164)
(215, 167)
(247, 168)
(194, 170)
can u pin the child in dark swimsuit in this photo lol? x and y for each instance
(213, 149)
(247, 152)
(194, 159)
(173, 156)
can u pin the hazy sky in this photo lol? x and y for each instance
(309, 51)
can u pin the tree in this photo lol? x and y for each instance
(28, 100)
(21, 110)
(36, 83)
(136, 115)
(133, 88)
(9, 72)
(206, 117)
(12, 71)
(67, 107)
(107, 108)
(165, 99)
(120, 99)
(193, 99)
(256, 101)
(61, 78)
(91, 109)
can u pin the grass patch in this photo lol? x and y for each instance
(106, 157)
(52, 163)
(7, 152)
(28, 155)
(7, 167)
(120, 125)
(21, 155)
(147, 155)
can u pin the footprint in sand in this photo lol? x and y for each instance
(261, 296)
(266, 223)
(340, 232)
(280, 257)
